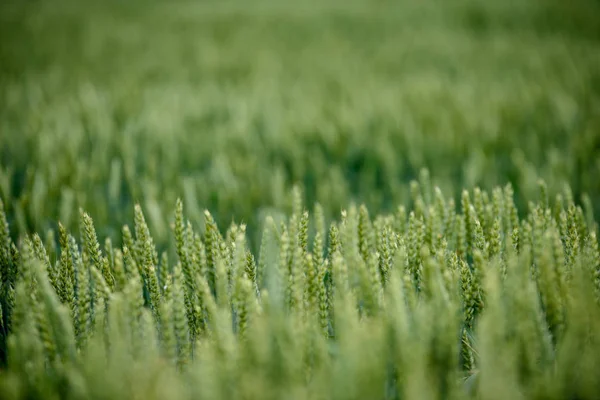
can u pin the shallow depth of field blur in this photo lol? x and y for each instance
(229, 105)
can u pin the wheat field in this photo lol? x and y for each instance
(369, 199)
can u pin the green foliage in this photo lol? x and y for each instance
(232, 102)
(436, 334)
(324, 200)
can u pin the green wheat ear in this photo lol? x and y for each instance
(303, 232)
(8, 272)
(495, 245)
(366, 236)
(89, 239)
(212, 241)
(180, 240)
(84, 295)
(191, 261)
(41, 254)
(4, 239)
(144, 244)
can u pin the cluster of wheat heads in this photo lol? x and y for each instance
(439, 301)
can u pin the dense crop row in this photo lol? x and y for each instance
(434, 302)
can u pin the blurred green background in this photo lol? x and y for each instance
(227, 104)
